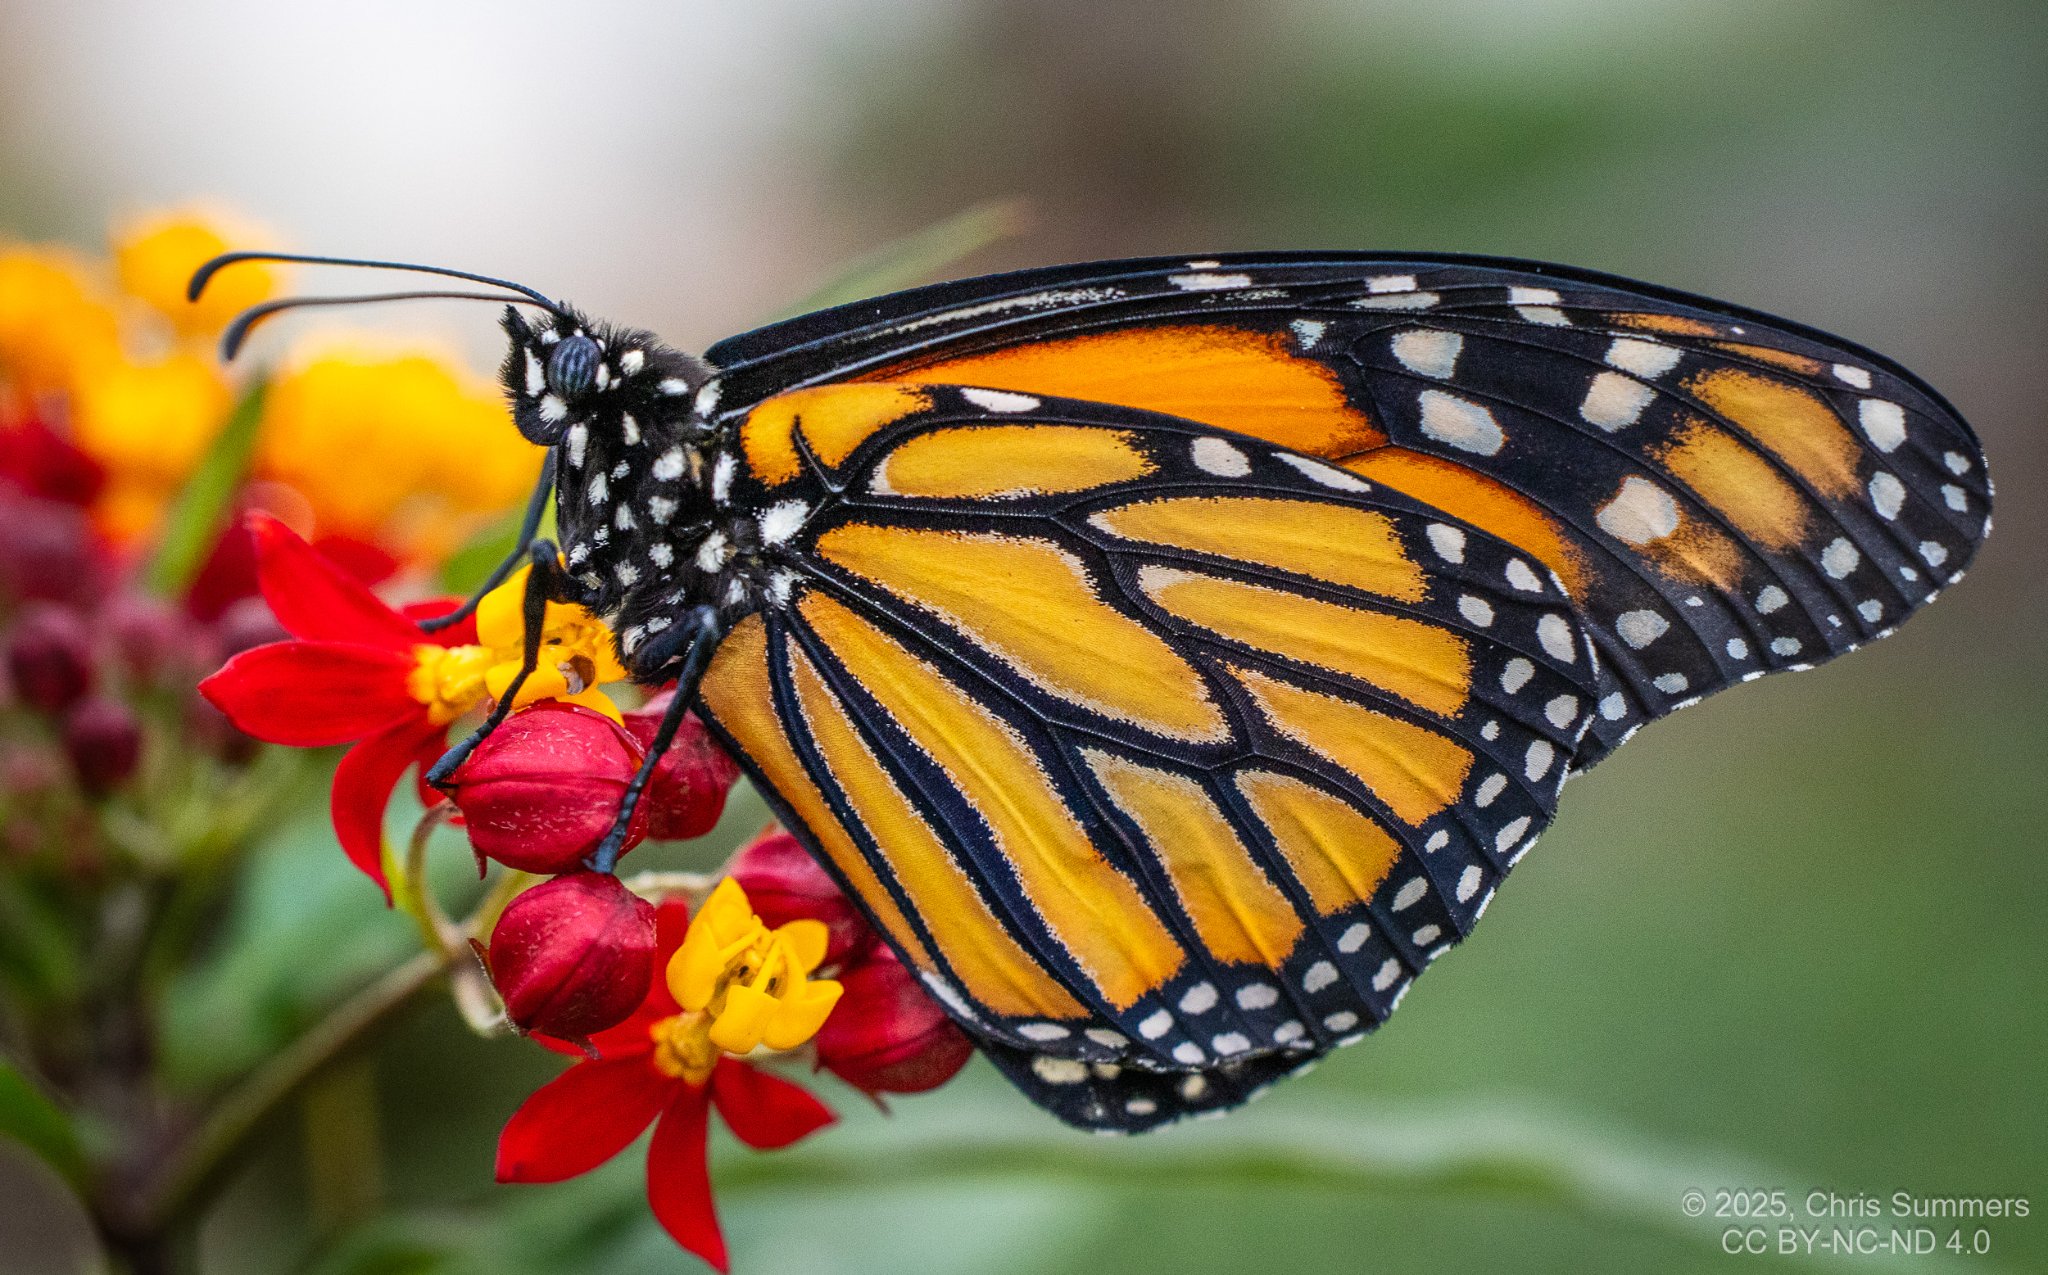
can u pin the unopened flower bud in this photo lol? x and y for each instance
(149, 635)
(246, 624)
(887, 1035)
(542, 790)
(48, 550)
(574, 955)
(686, 793)
(785, 883)
(104, 741)
(49, 656)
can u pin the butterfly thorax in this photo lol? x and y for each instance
(639, 495)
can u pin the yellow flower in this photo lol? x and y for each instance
(576, 659)
(396, 448)
(741, 986)
(154, 259)
(54, 326)
(149, 424)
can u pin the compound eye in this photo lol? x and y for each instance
(572, 366)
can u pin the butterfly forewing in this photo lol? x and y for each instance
(1723, 494)
(1153, 749)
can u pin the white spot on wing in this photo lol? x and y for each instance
(1839, 558)
(1615, 402)
(1556, 637)
(1309, 331)
(1643, 357)
(1428, 351)
(1328, 475)
(782, 520)
(1448, 541)
(1855, 376)
(1202, 282)
(999, 400)
(1884, 423)
(1215, 456)
(1538, 305)
(1640, 628)
(1887, 494)
(1639, 513)
(1460, 423)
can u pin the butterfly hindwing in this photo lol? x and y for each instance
(1724, 494)
(1158, 752)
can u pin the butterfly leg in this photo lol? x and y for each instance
(546, 584)
(697, 637)
(529, 527)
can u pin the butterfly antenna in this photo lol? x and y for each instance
(238, 331)
(202, 276)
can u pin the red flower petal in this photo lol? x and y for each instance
(671, 922)
(679, 1179)
(318, 601)
(460, 633)
(430, 750)
(580, 1119)
(362, 788)
(312, 694)
(764, 1111)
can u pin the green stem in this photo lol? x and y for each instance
(203, 1161)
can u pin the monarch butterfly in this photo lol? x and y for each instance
(1172, 656)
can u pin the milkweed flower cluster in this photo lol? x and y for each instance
(144, 679)
(769, 964)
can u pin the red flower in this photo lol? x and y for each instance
(658, 1067)
(348, 676)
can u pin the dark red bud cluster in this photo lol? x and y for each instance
(886, 1034)
(540, 793)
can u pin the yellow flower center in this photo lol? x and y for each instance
(742, 985)
(576, 657)
(683, 1048)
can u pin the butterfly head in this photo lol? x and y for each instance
(567, 374)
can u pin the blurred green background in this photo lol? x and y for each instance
(1790, 939)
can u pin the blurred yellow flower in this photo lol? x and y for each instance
(149, 424)
(401, 449)
(53, 323)
(154, 259)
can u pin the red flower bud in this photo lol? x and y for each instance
(574, 955)
(150, 637)
(104, 741)
(887, 1035)
(49, 655)
(784, 882)
(48, 550)
(686, 793)
(245, 624)
(543, 789)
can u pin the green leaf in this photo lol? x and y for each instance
(197, 516)
(31, 1119)
(921, 256)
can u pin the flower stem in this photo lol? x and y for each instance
(198, 1168)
